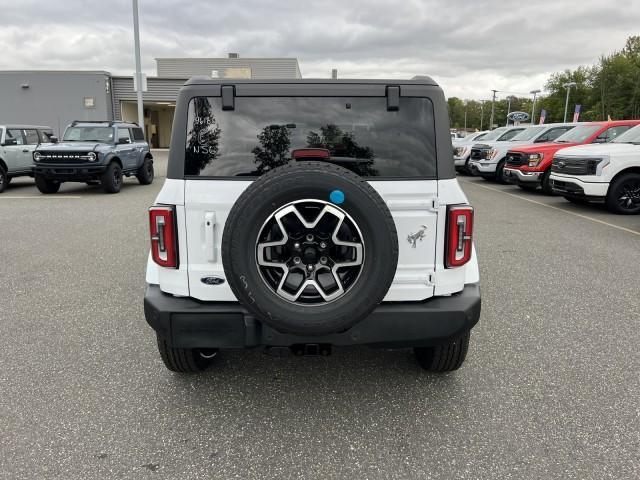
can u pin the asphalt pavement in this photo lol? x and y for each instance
(550, 388)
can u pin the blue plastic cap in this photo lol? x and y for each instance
(337, 197)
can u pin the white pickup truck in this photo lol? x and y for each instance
(462, 149)
(488, 160)
(608, 173)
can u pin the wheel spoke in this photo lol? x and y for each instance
(356, 245)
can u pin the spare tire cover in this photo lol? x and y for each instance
(310, 248)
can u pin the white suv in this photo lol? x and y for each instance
(311, 213)
(488, 160)
(17, 143)
(608, 173)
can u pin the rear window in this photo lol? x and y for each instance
(262, 132)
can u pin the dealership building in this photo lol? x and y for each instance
(57, 97)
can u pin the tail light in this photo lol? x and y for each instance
(164, 237)
(459, 235)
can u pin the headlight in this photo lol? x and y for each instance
(491, 153)
(595, 165)
(37, 156)
(459, 151)
(535, 159)
(91, 156)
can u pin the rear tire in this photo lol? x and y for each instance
(185, 360)
(111, 179)
(145, 172)
(4, 179)
(624, 194)
(47, 186)
(443, 358)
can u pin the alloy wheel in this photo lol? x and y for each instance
(310, 252)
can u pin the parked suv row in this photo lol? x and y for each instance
(608, 173)
(94, 152)
(530, 166)
(489, 158)
(589, 162)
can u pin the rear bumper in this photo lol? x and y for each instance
(76, 172)
(575, 187)
(513, 175)
(188, 323)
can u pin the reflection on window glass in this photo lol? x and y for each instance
(15, 135)
(263, 133)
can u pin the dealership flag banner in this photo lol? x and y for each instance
(576, 113)
(543, 115)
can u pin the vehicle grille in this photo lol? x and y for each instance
(62, 157)
(573, 166)
(515, 159)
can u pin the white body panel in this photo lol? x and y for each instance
(202, 208)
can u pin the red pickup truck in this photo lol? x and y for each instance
(530, 166)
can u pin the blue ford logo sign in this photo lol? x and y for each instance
(518, 116)
(213, 280)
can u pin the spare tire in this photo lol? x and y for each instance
(310, 248)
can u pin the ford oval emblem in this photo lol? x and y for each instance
(518, 116)
(212, 280)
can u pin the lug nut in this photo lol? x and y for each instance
(296, 260)
(323, 260)
(296, 245)
(309, 238)
(323, 244)
(310, 267)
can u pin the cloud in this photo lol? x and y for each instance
(469, 47)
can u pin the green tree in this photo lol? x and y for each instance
(273, 151)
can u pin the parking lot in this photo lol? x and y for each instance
(550, 388)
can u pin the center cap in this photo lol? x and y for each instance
(310, 255)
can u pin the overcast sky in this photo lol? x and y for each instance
(469, 47)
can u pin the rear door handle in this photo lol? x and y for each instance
(209, 236)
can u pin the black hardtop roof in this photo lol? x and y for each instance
(204, 80)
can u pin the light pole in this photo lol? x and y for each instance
(136, 41)
(482, 113)
(533, 106)
(465, 117)
(493, 108)
(509, 98)
(566, 103)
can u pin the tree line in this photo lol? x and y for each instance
(609, 89)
